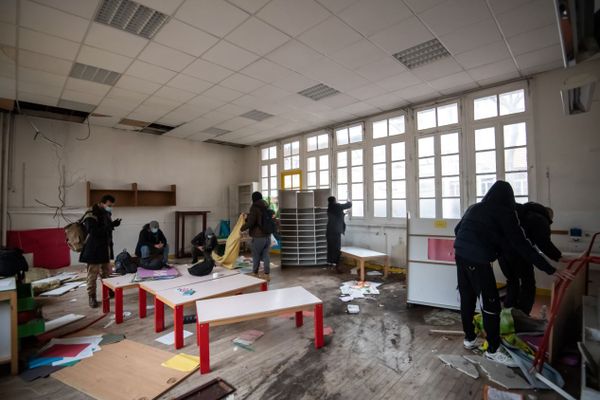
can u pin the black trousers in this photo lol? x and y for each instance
(474, 280)
(334, 245)
(520, 282)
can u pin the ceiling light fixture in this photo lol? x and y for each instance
(422, 54)
(318, 92)
(131, 17)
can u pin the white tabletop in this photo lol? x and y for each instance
(233, 307)
(208, 289)
(185, 279)
(120, 281)
(362, 253)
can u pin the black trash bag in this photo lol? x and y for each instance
(12, 263)
(202, 268)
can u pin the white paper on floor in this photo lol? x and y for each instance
(374, 273)
(353, 309)
(169, 338)
(354, 290)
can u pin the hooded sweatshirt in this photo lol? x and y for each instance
(255, 218)
(487, 225)
(147, 238)
(536, 223)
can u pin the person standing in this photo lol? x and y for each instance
(257, 217)
(336, 227)
(152, 243)
(98, 248)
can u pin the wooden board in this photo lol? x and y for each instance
(123, 371)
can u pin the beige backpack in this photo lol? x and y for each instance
(75, 233)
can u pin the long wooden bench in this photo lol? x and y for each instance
(175, 299)
(361, 255)
(229, 310)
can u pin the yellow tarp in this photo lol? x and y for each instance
(232, 246)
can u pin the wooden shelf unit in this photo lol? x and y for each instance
(134, 197)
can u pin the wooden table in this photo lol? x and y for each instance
(10, 294)
(180, 230)
(229, 310)
(226, 286)
(117, 284)
(361, 255)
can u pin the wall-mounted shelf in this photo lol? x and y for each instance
(134, 197)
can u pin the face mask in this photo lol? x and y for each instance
(108, 208)
(154, 230)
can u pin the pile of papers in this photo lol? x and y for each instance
(247, 339)
(358, 290)
(144, 274)
(66, 351)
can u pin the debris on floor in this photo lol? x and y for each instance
(183, 362)
(491, 393)
(247, 339)
(66, 351)
(169, 338)
(357, 290)
(499, 374)
(59, 291)
(441, 317)
(327, 331)
(52, 282)
(62, 321)
(459, 363)
(353, 309)
(374, 273)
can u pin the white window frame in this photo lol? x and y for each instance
(292, 155)
(348, 148)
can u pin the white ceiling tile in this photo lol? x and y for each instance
(165, 57)
(175, 94)
(416, 93)
(360, 108)
(370, 16)
(258, 37)
(35, 97)
(498, 68)
(338, 101)
(539, 57)
(207, 71)
(295, 82)
(229, 56)
(437, 69)
(104, 121)
(386, 101)
(44, 63)
(399, 81)
(404, 35)
(116, 107)
(213, 16)
(367, 92)
(527, 17)
(81, 97)
(295, 55)
(92, 88)
(45, 44)
(8, 69)
(234, 109)
(137, 84)
(341, 78)
(235, 123)
(335, 6)
(189, 83)
(8, 34)
(330, 36)
(534, 40)
(247, 102)
(454, 14)
(205, 103)
(250, 6)
(150, 72)
(499, 78)
(47, 90)
(418, 6)
(200, 136)
(8, 11)
(459, 79)
(125, 95)
(52, 21)
(164, 6)
(142, 114)
(159, 102)
(269, 92)
(267, 71)
(82, 8)
(358, 54)
(222, 93)
(216, 117)
(186, 38)
(103, 59)
(241, 83)
(502, 6)
(381, 69)
(182, 114)
(483, 55)
(460, 88)
(471, 36)
(36, 76)
(115, 40)
(293, 17)
(539, 68)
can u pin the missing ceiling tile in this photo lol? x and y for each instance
(157, 129)
(318, 92)
(131, 17)
(134, 122)
(422, 54)
(257, 115)
(51, 112)
(216, 131)
(94, 74)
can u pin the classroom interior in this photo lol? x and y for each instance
(181, 109)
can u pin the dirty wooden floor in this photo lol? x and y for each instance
(385, 352)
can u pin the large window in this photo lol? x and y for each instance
(350, 179)
(350, 134)
(291, 155)
(317, 142)
(268, 172)
(317, 175)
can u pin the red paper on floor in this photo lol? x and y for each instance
(64, 350)
(48, 246)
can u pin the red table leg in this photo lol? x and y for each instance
(203, 339)
(142, 302)
(119, 305)
(105, 299)
(264, 286)
(318, 326)
(159, 315)
(178, 326)
(299, 319)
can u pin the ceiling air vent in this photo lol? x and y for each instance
(257, 115)
(318, 92)
(216, 131)
(422, 54)
(94, 74)
(213, 141)
(131, 17)
(58, 113)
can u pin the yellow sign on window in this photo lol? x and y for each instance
(440, 223)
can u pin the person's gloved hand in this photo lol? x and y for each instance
(116, 222)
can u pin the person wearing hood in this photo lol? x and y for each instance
(480, 237)
(151, 243)
(203, 243)
(261, 236)
(535, 219)
(336, 227)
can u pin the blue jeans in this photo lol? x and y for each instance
(148, 251)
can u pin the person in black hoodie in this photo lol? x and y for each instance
(535, 220)
(480, 236)
(261, 238)
(336, 227)
(204, 242)
(151, 243)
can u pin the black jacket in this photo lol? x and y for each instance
(536, 222)
(201, 240)
(335, 218)
(147, 238)
(489, 224)
(98, 246)
(254, 219)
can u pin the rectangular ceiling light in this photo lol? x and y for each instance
(318, 92)
(94, 74)
(257, 115)
(216, 131)
(131, 17)
(422, 54)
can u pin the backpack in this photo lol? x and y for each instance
(124, 263)
(267, 223)
(12, 262)
(202, 268)
(76, 234)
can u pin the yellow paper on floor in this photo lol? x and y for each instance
(182, 362)
(232, 246)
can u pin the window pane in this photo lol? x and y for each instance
(398, 208)
(427, 187)
(296, 181)
(296, 162)
(379, 190)
(398, 170)
(273, 182)
(396, 125)
(451, 186)
(426, 147)
(311, 179)
(512, 102)
(447, 114)
(311, 164)
(264, 154)
(323, 141)
(485, 161)
(324, 161)
(287, 163)
(515, 135)
(273, 169)
(449, 143)
(295, 147)
(342, 192)
(274, 195)
(379, 172)
(264, 184)
(357, 157)
(357, 191)
(426, 167)
(426, 119)
(485, 139)
(379, 154)
(264, 170)
(398, 151)
(287, 181)
(342, 159)
(273, 152)
(515, 159)
(287, 149)
(342, 136)
(357, 174)
(380, 129)
(484, 183)
(485, 107)
(324, 178)
(358, 208)
(450, 165)
(451, 208)
(398, 189)
(427, 208)
(355, 133)
(518, 181)
(522, 199)
(380, 208)
(311, 143)
(342, 175)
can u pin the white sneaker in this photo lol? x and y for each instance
(501, 358)
(470, 344)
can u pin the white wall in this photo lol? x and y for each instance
(114, 159)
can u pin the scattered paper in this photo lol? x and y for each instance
(353, 309)
(112, 321)
(374, 273)
(67, 287)
(182, 362)
(66, 350)
(62, 321)
(346, 299)
(247, 339)
(357, 290)
(169, 338)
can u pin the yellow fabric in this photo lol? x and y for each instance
(182, 362)
(232, 246)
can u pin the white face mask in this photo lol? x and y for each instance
(108, 209)
(154, 230)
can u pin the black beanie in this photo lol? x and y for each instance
(331, 199)
(256, 196)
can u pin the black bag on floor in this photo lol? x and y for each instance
(153, 263)
(124, 263)
(12, 262)
(202, 268)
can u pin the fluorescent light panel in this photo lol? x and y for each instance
(257, 115)
(94, 74)
(422, 54)
(318, 92)
(216, 131)
(131, 17)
